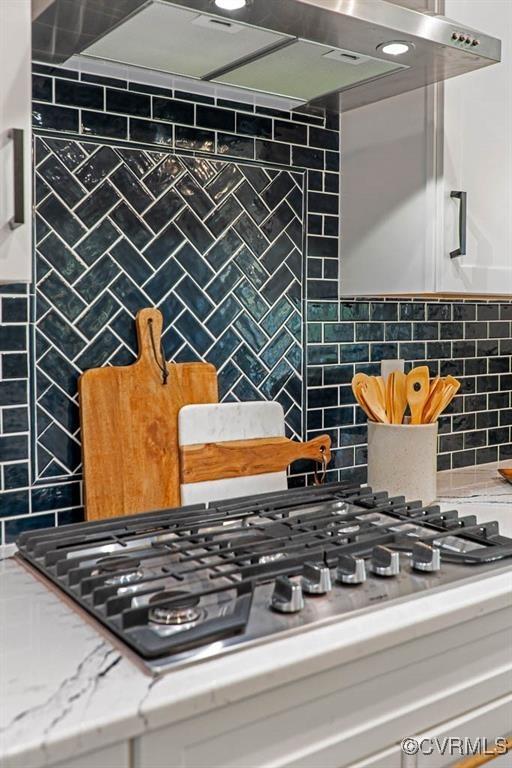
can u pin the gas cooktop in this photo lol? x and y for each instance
(183, 585)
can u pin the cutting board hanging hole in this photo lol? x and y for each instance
(162, 362)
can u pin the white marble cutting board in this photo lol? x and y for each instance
(221, 422)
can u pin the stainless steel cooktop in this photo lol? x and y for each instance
(183, 585)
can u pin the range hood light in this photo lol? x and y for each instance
(395, 47)
(230, 5)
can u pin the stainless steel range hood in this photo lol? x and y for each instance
(329, 53)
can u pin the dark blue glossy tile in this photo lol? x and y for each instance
(294, 133)
(215, 118)
(73, 94)
(488, 311)
(173, 110)
(131, 225)
(62, 334)
(55, 118)
(59, 294)
(99, 240)
(151, 132)
(323, 138)
(16, 475)
(97, 167)
(253, 125)
(60, 218)
(191, 329)
(15, 503)
(412, 311)
(13, 447)
(322, 354)
(13, 528)
(251, 299)
(13, 392)
(128, 103)
(15, 420)
(14, 310)
(167, 242)
(273, 152)
(99, 124)
(439, 311)
(163, 210)
(42, 88)
(320, 202)
(70, 516)
(56, 497)
(14, 366)
(194, 139)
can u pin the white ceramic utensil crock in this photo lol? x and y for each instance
(402, 459)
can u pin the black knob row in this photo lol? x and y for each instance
(462, 37)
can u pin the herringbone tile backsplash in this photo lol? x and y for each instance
(225, 216)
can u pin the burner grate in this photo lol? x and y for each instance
(193, 571)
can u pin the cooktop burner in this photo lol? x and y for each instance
(181, 585)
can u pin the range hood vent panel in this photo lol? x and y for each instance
(290, 48)
(167, 38)
(306, 71)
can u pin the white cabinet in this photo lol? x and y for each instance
(403, 157)
(113, 756)
(15, 143)
(477, 159)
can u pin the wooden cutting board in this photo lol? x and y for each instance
(229, 450)
(129, 426)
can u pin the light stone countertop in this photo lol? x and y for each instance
(66, 690)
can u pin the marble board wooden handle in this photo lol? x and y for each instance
(238, 458)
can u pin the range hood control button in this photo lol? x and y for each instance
(384, 561)
(475, 41)
(316, 579)
(287, 596)
(455, 36)
(425, 558)
(351, 570)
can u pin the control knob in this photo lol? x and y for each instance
(287, 596)
(384, 561)
(425, 558)
(351, 570)
(316, 579)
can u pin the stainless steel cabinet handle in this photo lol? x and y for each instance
(461, 250)
(18, 219)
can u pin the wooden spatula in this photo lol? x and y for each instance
(448, 393)
(399, 396)
(436, 385)
(418, 388)
(372, 395)
(357, 383)
(390, 393)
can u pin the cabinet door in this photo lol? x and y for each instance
(477, 159)
(15, 108)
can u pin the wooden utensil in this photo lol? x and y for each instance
(372, 395)
(382, 387)
(357, 383)
(436, 388)
(448, 393)
(399, 396)
(129, 431)
(390, 392)
(418, 388)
